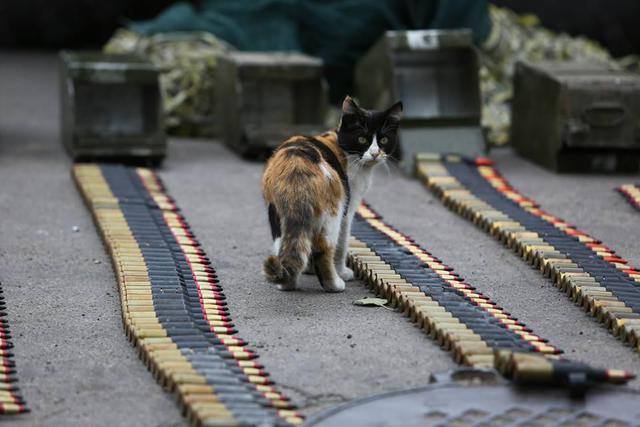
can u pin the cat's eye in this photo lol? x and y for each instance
(384, 140)
(362, 140)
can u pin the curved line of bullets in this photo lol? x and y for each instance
(588, 271)
(459, 317)
(173, 308)
(631, 192)
(11, 401)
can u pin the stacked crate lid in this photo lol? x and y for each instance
(110, 107)
(577, 117)
(269, 97)
(435, 74)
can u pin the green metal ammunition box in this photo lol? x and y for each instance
(435, 74)
(268, 97)
(577, 117)
(110, 107)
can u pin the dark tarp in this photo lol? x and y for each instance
(338, 31)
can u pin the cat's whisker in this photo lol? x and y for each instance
(386, 167)
(356, 164)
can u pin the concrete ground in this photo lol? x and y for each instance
(75, 365)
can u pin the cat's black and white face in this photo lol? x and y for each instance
(368, 136)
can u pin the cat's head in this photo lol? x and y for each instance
(368, 137)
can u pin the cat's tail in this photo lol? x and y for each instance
(292, 258)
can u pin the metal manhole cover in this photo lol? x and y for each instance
(453, 405)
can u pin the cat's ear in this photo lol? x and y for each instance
(350, 106)
(395, 111)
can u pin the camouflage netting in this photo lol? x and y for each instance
(188, 59)
(520, 37)
(187, 64)
(338, 32)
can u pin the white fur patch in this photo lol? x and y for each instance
(276, 245)
(331, 225)
(360, 181)
(373, 151)
(325, 171)
(332, 228)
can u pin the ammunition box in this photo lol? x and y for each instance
(268, 97)
(577, 117)
(110, 107)
(435, 75)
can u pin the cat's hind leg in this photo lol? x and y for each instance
(294, 248)
(324, 247)
(276, 245)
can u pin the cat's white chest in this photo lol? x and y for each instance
(359, 184)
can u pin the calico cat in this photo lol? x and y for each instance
(313, 187)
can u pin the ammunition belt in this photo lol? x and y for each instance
(459, 317)
(631, 192)
(589, 272)
(11, 402)
(173, 307)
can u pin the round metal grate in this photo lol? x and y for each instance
(454, 405)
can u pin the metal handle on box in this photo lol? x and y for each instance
(604, 114)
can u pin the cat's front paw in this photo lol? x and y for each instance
(345, 274)
(335, 285)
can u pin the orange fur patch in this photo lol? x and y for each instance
(298, 186)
